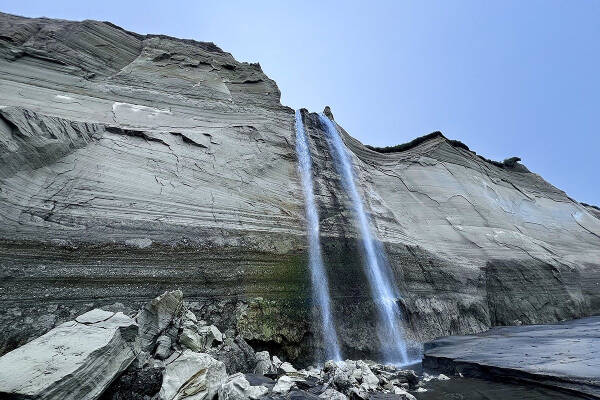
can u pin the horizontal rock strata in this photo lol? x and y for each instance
(132, 164)
(76, 360)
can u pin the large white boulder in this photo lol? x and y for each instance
(284, 385)
(365, 376)
(76, 360)
(286, 368)
(192, 376)
(237, 387)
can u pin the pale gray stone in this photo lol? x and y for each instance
(332, 394)
(200, 338)
(263, 363)
(77, 360)
(286, 368)
(210, 334)
(237, 387)
(276, 362)
(159, 316)
(284, 385)
(163, 347)
(94, 316)
(190, 316)
(191, 339)
(192, 376)
(404, 393)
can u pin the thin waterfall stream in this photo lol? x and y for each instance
(318, 275)
(383, 290)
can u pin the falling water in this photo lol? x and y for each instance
(383, 291)
(320, 285)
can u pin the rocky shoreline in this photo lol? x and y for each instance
(564, 356)
(135, 164)
(164, 352)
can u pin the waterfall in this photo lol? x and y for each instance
(383, 290)
(320, 285)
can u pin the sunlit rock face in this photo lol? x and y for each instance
(134, 164)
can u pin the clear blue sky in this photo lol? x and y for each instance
(508, 78)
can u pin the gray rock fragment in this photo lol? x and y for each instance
(200, 338)
(160, 316)
(332, 394)
(286, 368)
(192, 376)
(284, 385)
(236, 354)
(264, 365)
(237, 387)
(163, 347)
(77, 360)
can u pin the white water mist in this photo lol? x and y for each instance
(383, 290)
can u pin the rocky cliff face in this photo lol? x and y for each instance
(135, 164)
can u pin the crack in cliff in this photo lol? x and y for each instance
(135, 133)
(188, 140)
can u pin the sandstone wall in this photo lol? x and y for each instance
(134, 164)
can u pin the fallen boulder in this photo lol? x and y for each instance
(332, 394)
(160, 316)
(236, 354)
(237, 387)
(284, 385)
(200, 338)
(192, 376)
(286, 368)
(76, 360)
(163, 347)
(264, 365)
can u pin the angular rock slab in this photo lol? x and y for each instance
(76, 360)
(237, 387)
(565, 355)
(192, 376)
(159, 316)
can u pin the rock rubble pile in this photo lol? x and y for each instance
(165, 352)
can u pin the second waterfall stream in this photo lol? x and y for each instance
(383, 290)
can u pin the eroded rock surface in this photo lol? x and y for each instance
(76, 360)
(565, 356)
(132, 164)
(193, 376)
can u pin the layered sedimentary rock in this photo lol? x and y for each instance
(134, 164)
(76, 360)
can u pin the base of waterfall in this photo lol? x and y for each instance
(164, 352)
(563, 356)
